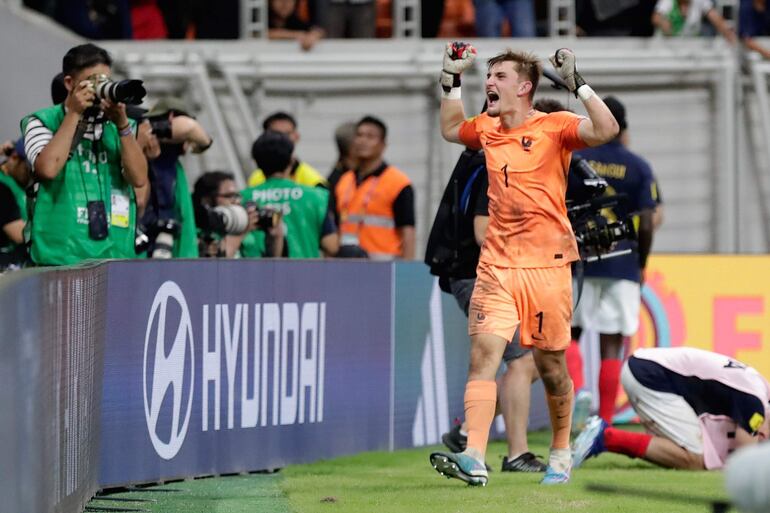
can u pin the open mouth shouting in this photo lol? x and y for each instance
(492, 98)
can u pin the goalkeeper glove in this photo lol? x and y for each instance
(564, 63)
(458, 57)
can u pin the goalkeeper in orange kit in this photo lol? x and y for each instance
(523, 277)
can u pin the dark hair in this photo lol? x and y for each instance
(278, 116)
(549, 105)
(84, 56)
(371, 120)
(207, 186)
(59, 91)
(343, 136)
(525, 63)
(272, 151)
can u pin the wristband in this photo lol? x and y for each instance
(125, 131)
(452, 94)
(585, 92)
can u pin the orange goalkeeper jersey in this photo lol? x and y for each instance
(527, 168)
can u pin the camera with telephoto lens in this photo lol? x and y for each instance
(225, 220)
(130, 92)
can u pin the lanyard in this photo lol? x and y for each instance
(95, 151)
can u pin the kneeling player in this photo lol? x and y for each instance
(697, 407)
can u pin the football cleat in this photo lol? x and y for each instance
(553, 477)
(460, 466)
(590, 442)
(526, 462)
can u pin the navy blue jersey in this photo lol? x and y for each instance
(753, 23)
(630, 175)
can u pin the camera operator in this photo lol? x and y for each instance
(216, 199)
(169, 220)
(305, 210)
(14, 179)
(611, 297)
(85, 159)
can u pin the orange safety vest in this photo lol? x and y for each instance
(366, 211)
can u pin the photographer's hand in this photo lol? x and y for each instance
(115, 112)
(80, 98)
(52, 158)
(251, 210)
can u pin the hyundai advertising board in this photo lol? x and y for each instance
(214, 367)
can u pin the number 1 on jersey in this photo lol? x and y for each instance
(505, 172)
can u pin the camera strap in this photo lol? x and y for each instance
(95, 151)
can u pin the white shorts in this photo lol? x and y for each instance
(608, 305)
(663, 414)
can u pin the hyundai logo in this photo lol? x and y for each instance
(166, 366)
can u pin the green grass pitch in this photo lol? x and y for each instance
(404, 482)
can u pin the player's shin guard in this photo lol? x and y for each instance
(480, 398)
(560, 409)
(575, 364)
(609, 378)
(626, 442)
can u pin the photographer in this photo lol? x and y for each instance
(169, 212)
(14, 178)
(217, 204)
(85, 159)
(305, 209)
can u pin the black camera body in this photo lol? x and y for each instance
(267, 217)
(158, 238)
(596, 235)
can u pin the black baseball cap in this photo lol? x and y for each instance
(618, 110)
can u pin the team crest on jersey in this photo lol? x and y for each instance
(526, 142)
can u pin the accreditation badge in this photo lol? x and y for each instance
(121, 209)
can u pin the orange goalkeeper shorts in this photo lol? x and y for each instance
(540, 299)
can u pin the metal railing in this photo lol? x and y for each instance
(233, 83)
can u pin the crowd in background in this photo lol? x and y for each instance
(307, 21)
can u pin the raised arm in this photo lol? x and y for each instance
(719, 23)
(131, 154)
(51, 159)
(458, 57)
(601, 126)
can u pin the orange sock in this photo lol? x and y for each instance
(560, 408)
(480, 398)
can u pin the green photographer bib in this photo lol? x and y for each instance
(304, 211)
(93, 172)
